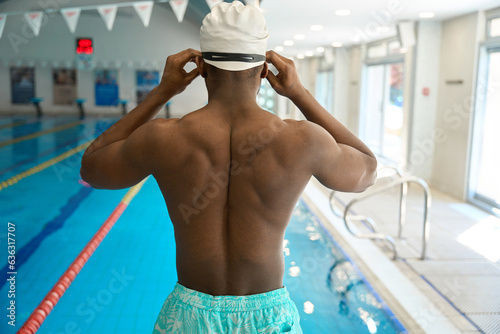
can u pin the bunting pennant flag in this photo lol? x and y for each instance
(212, 3)
(34, 20)
(108, 14)
(71, 16)
(179, 7)
(3, 18)
(144, 10)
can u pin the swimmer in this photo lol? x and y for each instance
(231, 175)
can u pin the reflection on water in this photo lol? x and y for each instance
(334, 295)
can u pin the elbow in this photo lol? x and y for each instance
(86, 173)
(370, 176)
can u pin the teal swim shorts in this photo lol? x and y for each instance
(188, 311)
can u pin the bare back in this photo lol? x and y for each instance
(230, 185)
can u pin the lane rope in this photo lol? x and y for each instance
(12, 125)
(41, 312)
(43, 165)
(40, 133)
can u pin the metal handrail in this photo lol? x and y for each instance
(403, 183)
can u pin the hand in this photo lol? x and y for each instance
(175, 79)
(286, 82)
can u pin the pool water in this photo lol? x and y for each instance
(124, 284)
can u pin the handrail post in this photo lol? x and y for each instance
(403, 183)
(402, 208)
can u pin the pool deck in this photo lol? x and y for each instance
(455, 290)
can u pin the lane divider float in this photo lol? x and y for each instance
(43, 165)
(40, 133)
(41, 312)
(12, 125)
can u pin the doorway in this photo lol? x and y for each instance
(383, 114)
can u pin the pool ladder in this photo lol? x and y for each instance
(402, 182)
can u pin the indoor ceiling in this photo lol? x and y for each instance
(369, 19)
(286, 18)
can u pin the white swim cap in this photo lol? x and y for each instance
(233, 37)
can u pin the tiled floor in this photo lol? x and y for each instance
(461, 274)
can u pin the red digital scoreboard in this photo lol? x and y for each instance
(84, 46)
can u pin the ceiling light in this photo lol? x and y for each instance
(383, 29)
(320, 49)
(426, 15)
(279, 48)
(403, 50)
(309, 53)
(299, 37)
(316, 27)
(342, 12)
(300, 56)
(337, 44)
(289, 43)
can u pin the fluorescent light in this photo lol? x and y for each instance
(309, 53)
(426, 15)
(299, 37)
(316, 27)
(300, 56)
(288, 43)
(320, 49)
(342, 12)
(279, 48)
(337, 44)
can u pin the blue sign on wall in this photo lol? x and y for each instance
(106, 88)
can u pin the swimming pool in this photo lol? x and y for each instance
(123, 285)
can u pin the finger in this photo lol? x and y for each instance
(272, 79)
(188, 55)
(192, 75)
(277, 60)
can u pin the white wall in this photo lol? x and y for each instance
(341, 85)
(129, 47)
(422, 121)
(459, 50)
(355, 72)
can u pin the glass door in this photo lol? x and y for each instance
(485, 167)
(383, 112)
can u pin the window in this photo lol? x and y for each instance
(377, 51)
(485, 159)
(324, 89)
(494, 27)
(266, 97)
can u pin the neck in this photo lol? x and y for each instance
(233, 93)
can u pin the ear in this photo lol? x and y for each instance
(263, 74)
(200, 63)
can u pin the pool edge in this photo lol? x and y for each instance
(402, 296)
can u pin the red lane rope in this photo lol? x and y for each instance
(41, 312)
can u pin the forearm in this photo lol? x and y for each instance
(314, 112)
(144, 112)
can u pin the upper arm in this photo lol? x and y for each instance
(338, 166)
(121, 164)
